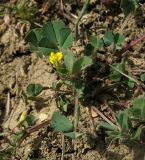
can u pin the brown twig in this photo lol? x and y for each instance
(132, 44)
(63, 147)
(33, 129)
(7, 106)
(91, 118)
(103, 116)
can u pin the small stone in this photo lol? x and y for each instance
(43, 117)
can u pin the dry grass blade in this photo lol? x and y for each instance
(103, 117)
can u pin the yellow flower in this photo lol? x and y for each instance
(23, 117)
(55, 58)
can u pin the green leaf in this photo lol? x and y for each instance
(46, 43)
(138, 109)
(17, 136)
(106, 126)
(123, 119)
(42, 51)
(81, 64)
(31, 120)
(51, 30)
(73, 135)
(61, 123)
(79, 86)
(97, 43)
(119, 38)
(66, 38)
(137, 133)
(52, 37)
(108, 38)
(115, 75)
(34, 36)
(56, 85)
(128, 6)
(34, 90)
(69, 60)
(142, 77)
(89, 49)
(64, 103)
(114, 134)
(131, 84)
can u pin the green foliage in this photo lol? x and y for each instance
(78, 113)
(76, 65)
(138, 109)
(131, 122)
(7, 153)
(34, 90)
(73, 135)
(17, 136)
(61, 123)
(115, 40)
(122, 131)
(64, 103)
(117, 71)
(130, 84)
(30, 121)
(142, 77)
(114, 74)
(80, 86)
(129, 6)
(137, 133)
(123, 120)
(53, 36)
(97, 43)
(56, 86)
(24, 9)
(108, 38)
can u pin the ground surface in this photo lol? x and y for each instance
(19, 67)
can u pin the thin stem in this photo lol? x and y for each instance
(33, 129)
(63, 147)
(80, 17)
(92, 120)
(76, 113)
(132, 44)
(104, 117)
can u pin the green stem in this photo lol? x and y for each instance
(76, 113)
(85, 6)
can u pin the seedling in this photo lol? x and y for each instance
(131, 122)
(53, 40)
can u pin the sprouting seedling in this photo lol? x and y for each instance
(118, 132)
(131, 122)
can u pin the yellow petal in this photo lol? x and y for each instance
(52, 57)
(23, 116)
(59, 56)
